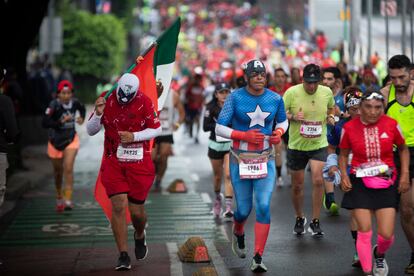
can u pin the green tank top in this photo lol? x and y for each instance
(404, 115)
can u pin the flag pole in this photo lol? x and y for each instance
(153, 44)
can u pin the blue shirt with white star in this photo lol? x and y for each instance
(244, 111)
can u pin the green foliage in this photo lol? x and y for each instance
(93, 45)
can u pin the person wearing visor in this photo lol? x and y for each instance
(309, 107)
(371, 188)
(127, 171)
(254, 118)
(352, 98)
(63, 145)
(218, 151)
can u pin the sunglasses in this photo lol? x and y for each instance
(373, 96)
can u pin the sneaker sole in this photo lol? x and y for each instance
(241, 255)
(123, 268)
(258, 269)
(317, 235)
(143, 258)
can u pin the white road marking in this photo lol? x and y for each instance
(216, 259)
(176, 269)
(206, 198)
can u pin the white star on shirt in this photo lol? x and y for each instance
(257, 117)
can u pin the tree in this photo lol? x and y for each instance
(93, 48)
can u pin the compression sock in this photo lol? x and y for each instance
(364, 250)
(383, 244)
(279, 171)
(229, 203)
(238, 227)
(261, 232)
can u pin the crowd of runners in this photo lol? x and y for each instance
(263, 111)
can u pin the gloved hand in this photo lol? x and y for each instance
(253, 136)
(276, 136)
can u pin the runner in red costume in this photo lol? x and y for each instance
(127, 171)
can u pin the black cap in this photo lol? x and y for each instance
(222, 86)
(254, 66)
(312, 73)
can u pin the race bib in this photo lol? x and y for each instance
(222, 139)
(253, 168)
(130, 153)
(310, 129)
(371, 169)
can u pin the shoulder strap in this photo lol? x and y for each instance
(391, 103)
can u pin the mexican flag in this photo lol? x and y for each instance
(164, 59)
(158, 63)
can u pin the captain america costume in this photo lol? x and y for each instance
(244, 111)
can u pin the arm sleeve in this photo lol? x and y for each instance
(147, 134)
(225, 118)
(283, 125)
(94, 124)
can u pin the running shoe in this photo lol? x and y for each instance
(237, 245)
(124, 262)
(141, 249)
(409, 268)
(228, 215)
(315, 228)
(355, 261)
(60, 205)
(280, 182)
(257, 264)
(334, 209)
(68, 205)
(299, 228)
(380, 264)
(217, 206)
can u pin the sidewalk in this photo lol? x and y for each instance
(39, 170)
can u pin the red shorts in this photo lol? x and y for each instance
(132, 178)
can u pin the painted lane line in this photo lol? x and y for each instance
(206, 198)
(176, 268)
(216, 259)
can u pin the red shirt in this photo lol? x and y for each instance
(135, 116)
(371, 142)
